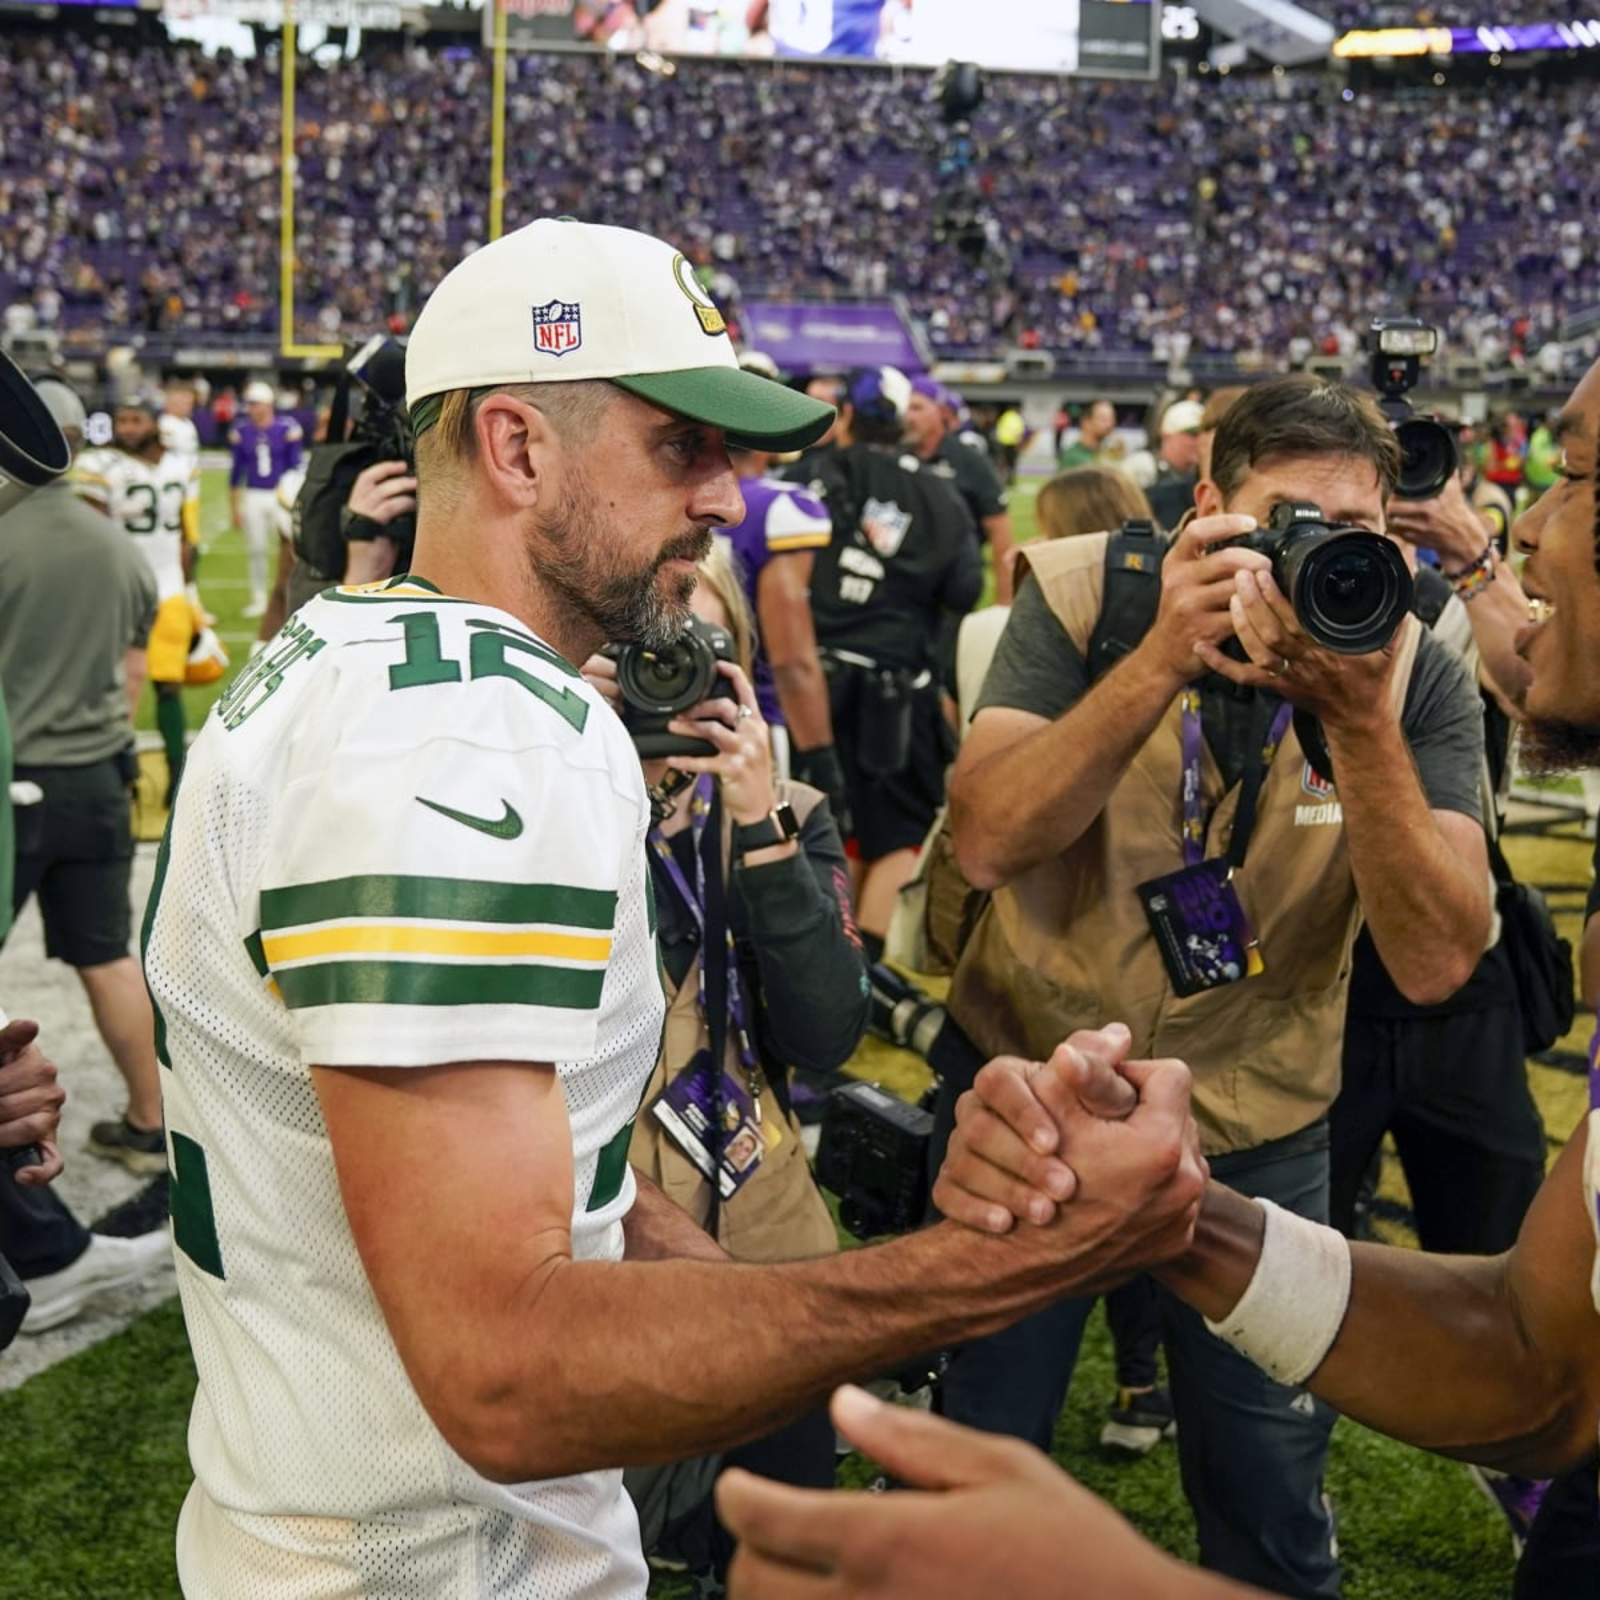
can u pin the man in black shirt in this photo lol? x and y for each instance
(1178, 463)
(930, 431)
(901, 571)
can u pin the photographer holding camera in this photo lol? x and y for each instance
(1160, 848)
(753, 864)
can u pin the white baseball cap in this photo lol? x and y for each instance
(1183, 417)
(560, 301)
(259, 394)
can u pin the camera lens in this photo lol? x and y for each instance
(1350, 588)
(664, 681)
(1428, 458)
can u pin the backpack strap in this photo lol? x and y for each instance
(1131, 596)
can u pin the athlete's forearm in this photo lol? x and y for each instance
(1487, 1359)
(653, 1361)
(803, 694)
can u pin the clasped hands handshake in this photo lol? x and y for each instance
(1091, 1161)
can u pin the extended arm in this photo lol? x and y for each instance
(1492, 1359)
(783, 606)
(1460, 534)
(1025, 788)
(535, 1365)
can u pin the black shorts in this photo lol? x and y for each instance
(75, 851)
(889, 810)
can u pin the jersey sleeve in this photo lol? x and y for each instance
(797, 520)
(93, 477)
(445, 900)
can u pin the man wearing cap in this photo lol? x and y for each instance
(402, 947)
(77, 599)
(265, 446)
(1171, 496)
(155, 496)
(888, 593)
(931, 432)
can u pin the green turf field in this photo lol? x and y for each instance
(93, 1466)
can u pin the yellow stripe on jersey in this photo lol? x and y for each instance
(411, 939)
(778, 544)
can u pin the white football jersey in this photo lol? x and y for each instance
(147, 498)
(179, 436)
(409, 833)
(288, 492)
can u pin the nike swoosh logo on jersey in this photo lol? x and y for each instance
(507, 827)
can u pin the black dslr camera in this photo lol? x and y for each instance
(1350, 587)
(658, 685)
(873, 1154)
(1428, 448)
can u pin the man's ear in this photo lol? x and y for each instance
(516, 444)
(1208, 500)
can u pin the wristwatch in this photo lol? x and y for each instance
(779, 826)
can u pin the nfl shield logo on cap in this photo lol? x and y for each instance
(557, 327)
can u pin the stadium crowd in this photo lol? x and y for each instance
(1119, 217)
(1178, 793)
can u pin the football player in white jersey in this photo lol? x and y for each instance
(179, 436)
(155, 495)
(403, 950)
(1493, 1360)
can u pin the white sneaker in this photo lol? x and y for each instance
(256, 608)
(107, 1264)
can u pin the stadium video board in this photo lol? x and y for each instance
(1112, 37)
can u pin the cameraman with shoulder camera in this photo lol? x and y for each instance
(746, 861)
(1160, 848)
(353, 514)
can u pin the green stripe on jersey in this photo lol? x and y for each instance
(435, 900)
(425, 983)
(258, 956)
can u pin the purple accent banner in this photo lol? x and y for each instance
(833, 336)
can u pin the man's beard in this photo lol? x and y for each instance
(576, 557)
(1547, 748)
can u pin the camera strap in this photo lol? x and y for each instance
(720, 996)
(1251, 784)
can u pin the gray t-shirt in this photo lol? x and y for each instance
(1037, 668)
(75, 596)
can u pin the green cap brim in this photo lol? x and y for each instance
(757, 413)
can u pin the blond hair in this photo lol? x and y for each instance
(721, 575)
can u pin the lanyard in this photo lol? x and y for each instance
(694, 898)
(1594, 1069)
(1255, 776)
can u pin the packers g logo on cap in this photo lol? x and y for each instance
(710, 318)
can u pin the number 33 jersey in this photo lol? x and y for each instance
(149, 500)
(409, 834)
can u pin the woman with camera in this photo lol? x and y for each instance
(765, 975)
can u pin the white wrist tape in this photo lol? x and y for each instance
(1288, 1318)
